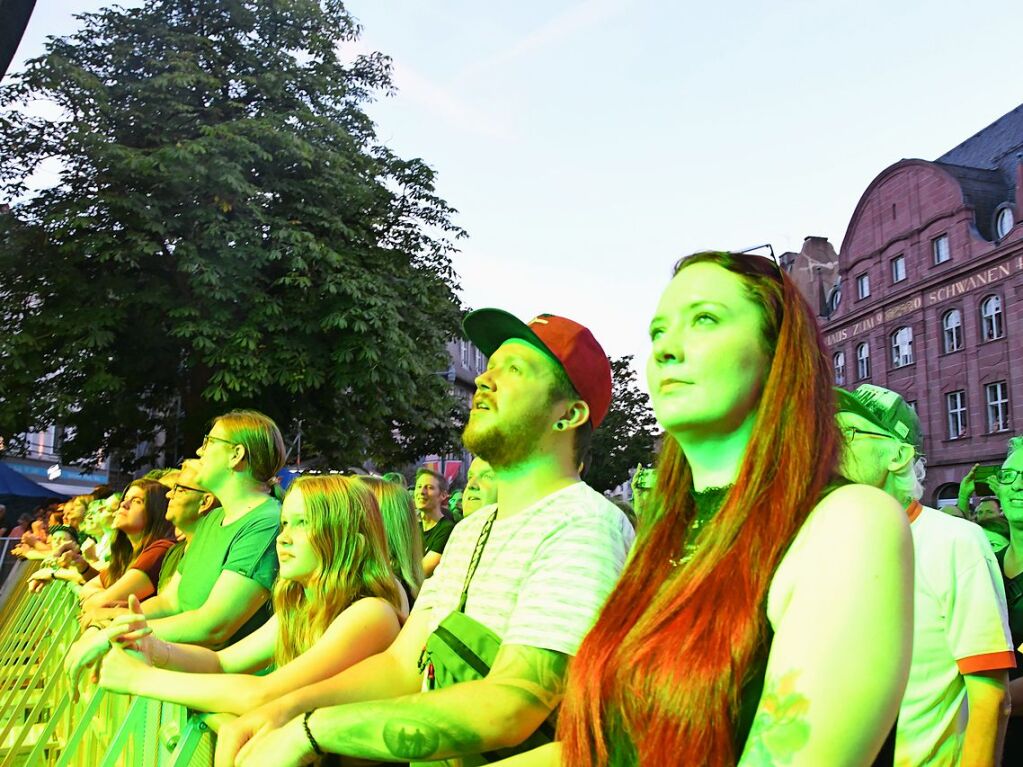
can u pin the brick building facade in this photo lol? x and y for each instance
(929, 295)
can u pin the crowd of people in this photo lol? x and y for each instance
(776, 595)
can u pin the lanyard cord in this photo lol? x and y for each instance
(475, 561)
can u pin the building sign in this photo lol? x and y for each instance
(989, 276)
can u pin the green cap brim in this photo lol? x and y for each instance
(489, 328)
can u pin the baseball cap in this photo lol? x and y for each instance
(884, 408)
(569, 343)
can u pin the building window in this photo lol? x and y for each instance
(898, 269)
(940, 247)
(480, 362)
(465, 353)
(997, 394)
(952, 329)
(991, 318)
(1004, 222)
(863, 286)
(955, 405)
(839, 360)
(902, 347)
(863, 361)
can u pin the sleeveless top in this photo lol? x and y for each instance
(753, 685)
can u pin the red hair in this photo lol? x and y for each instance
(658, 679)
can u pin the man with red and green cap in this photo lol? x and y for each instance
(526, 576)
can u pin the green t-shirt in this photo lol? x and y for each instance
(170, 564)
(246, 546)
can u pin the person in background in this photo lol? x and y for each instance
(223, 583)
(430, 491)
(404, 537)
(643, 482)
(954, 709)
(480, 487)
(1007, 485)
(335, 603)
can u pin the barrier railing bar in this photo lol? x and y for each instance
(44, 737)
(71, 747)
(25, 647)
(120, 739)
(194, 730)
(35, 685)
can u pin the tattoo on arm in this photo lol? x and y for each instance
(780, 728)
(421, 739)
(535, 675)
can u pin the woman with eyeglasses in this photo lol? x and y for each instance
(1007, 485)
(335, 603)
(222, 588)
(765, 614)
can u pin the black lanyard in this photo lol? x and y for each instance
(475, 561)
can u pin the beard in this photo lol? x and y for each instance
(502, 444)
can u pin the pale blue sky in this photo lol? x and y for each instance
(589, 143)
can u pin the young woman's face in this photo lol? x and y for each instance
(294, 550)
(708, 364)
(131, 516)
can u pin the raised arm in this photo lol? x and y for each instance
(840, 657)
(233, 600)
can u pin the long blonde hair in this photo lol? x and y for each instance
(404, 535)
(347, 534)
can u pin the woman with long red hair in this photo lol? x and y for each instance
(765, 615)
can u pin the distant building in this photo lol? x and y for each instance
(467, 362)
(927, 299)
(42, 463)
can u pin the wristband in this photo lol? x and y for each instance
(309, 734)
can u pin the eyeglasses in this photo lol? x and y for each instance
(1007, 476)
(768, 255)
(210, 438)
(179, 487)
(850, 433)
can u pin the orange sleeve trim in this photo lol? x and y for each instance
(914, 511)
(991, 661)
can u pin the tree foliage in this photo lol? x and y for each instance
(225, 230)
(628, 433)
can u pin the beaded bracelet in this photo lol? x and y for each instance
(309, 734)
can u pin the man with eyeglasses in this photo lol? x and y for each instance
(186, 504)
(1007, 485)
(954, 709)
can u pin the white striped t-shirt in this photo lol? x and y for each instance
(545, 572)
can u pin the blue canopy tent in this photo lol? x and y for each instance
(20, 494)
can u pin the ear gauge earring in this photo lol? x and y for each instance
(560, 426)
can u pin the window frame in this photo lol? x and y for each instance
(997, 319)
(863, 362)
(839, 379)
(862, 286)
(897, 360)
(960, 414)
(957, 331)
(901, 261)
(934, 249)
(1002, 405)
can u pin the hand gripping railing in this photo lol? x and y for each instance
(41, 723)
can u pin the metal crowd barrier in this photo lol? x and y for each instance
(40, 724)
